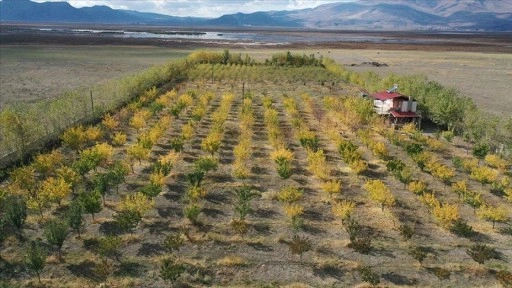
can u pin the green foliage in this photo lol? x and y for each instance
(296, 60)
(310, 142)
(117, 173)
(481, 253)
(349, 152)
(206, 164)
(87, 161)
(171, 270)
(177, 144)
(284, 169)
(75, 216)
(480, 150)
(457, 162)
(448, 135)
(195, 178)
(395, 165)
(35, 258)
(56, 231)
(367, 275)
(413, 149)
(128, 219)
(151, 189)
(16, 212)
(91, 202)
(462, 229)
(192, 212)
(243, 206)
(109, 246)
(162, 167)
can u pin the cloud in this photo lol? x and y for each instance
(201, 8)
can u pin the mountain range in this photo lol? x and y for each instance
(444, 15)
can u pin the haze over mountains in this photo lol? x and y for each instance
(454, 15)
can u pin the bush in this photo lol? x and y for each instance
(171, 270)
(481, 253)
(418, 253)
(56, 231)
(367, 275)
(300, 245)
(289, 194)
(192, 212)
(461, 228)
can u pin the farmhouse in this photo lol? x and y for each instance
(399, 109)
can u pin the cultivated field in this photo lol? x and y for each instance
(279, 186)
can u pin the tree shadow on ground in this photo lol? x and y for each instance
(329, 271)
(399, 279)
(213, 213)
(262, 229)
(265, 213)
(167, 212)
(85, 269)
(158, 227)
(150, 249)
(260, 247)
(312, 229)
(218, 198)
(110, 228)
(130, 269)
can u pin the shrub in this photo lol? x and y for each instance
(192, 212)
(331, 187)
(16, 212)
(461, 228)
(173, 242)
(481, 253)
(406, 231)
(480, 150)
(109, 246)
(289, 194)
(343, 209)
(367, 275)
(171, 270)
(56, 231)
(446, 214)
(35, 258)
(128, 219)
(418, 187)
(418, 253)
(300, 245)
(206, 164)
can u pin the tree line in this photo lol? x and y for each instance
(442, 105)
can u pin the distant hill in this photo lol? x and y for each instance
(488, 15)
(28, 11)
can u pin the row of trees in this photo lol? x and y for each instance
(23, 125)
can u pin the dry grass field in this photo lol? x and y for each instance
(32, 72)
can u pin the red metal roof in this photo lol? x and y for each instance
(398, 114)
(385, 95)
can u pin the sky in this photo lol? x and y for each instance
(201, 8)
